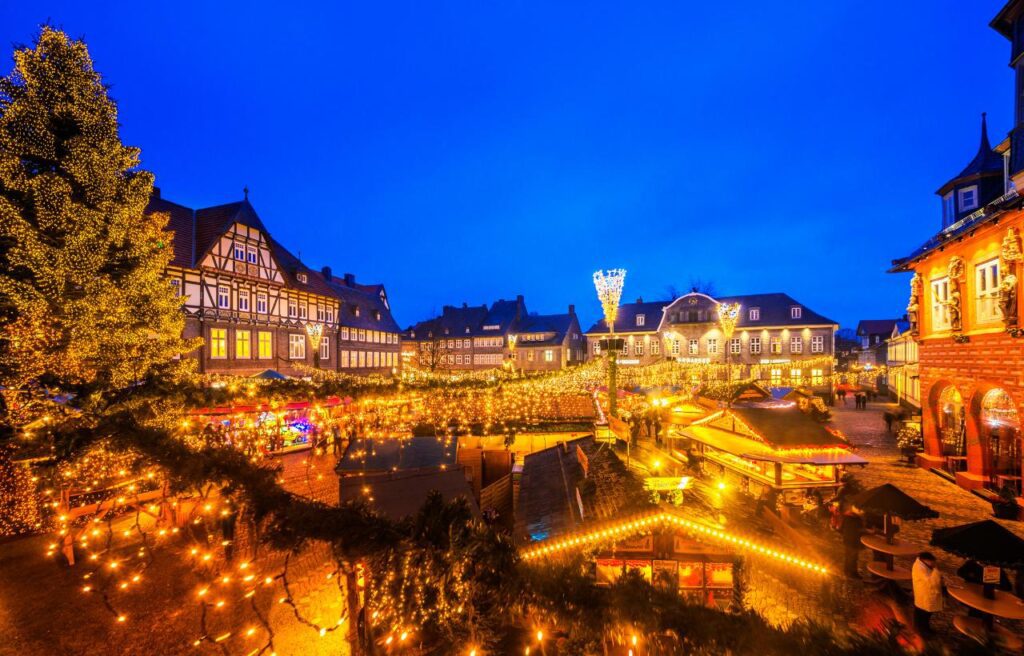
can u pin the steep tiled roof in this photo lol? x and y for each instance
(786, 427)
(876, 326)
(370, 306)
(478, 320)
(181, 223)
(985, 162)
(625, 321)
(559, 324)
(212, 222)
(775, 310)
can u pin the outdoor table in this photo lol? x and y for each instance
(893, 573)
(890, 551)
(953, 462)
(1006, 479)
(1004, 605)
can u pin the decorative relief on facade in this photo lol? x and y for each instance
(914, 306)
(1009, 255)
(956, 272)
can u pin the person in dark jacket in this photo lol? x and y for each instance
(852, 529)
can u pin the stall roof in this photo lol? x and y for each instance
(398, 495)
(724, 440)
(392, 454)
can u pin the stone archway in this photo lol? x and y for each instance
(994, 412)
(944, 426)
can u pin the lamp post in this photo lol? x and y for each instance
(609, 291)
(728, 315)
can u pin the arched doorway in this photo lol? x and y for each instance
(951, 422)
(1001, 428)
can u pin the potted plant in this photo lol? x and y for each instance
(1005, 506)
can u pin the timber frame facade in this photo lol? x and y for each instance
(258, 307)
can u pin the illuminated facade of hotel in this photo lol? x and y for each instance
(777, 338)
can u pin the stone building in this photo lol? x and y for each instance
(470, 338)
(964, 310)
(789, 344)
(258, 307)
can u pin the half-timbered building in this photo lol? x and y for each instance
(258, 307)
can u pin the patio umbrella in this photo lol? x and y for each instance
(986, 542)
(890, 501)
(270, 374)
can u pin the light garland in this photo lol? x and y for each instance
(609, 290)
(664, 518)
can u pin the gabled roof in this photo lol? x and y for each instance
(558, 324)
(625, 320)
(775, 311)
(291, 265)
(370, 305)
(786, 427)
(212, 222)
(472, 320)
(877, 326)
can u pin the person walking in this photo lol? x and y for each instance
(852, 530)
(927, 582)
(842, 395)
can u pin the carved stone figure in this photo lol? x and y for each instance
(956, 268)
(1008, 300)
(1010, 252)
(914, 306)
(953, 304)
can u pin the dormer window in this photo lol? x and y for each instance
(640, 319)
(968, 198)
(445, 331)
(355, 310)
(948, 210)
(754, 314)
(301, 277)
(467, 330)
(796, 312)
(376, 315)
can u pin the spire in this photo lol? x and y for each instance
(245, 190)
(985, 146)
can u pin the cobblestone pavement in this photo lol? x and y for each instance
(955, 505)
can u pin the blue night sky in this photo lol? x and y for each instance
(471, 151)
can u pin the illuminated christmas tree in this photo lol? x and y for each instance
(83, 299)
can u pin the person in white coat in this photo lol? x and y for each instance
(928, 590)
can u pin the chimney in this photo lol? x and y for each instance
(572, 309)
(639, 299)
(465, 304)
(519, 307)
(327, 273)
(350, 280)
(156, 191)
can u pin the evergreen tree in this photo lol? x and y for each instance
(83, 299)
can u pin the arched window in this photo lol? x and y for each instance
(1002, 428)
(951, 425)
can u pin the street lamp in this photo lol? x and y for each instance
(728, 315)
(609, 291)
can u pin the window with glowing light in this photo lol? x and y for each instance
(265, 345)
(218, 343)
(817, 377)
(986, 287)
(796, 376)
(638, 348)
(693, 347)
(775, 345)
(297, 347)
(343, 356)
(735, 346)
(776, 377)
(549, 355)
(712, 346)
(243, 344)
(325, 348)
(656, 347)
(675, 347)
(940, 298)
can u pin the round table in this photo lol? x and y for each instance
(890, 572)
(890, 551)
(1004, 605)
